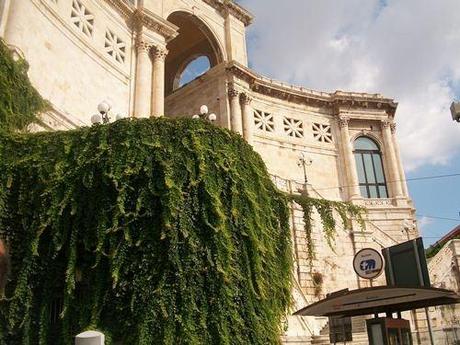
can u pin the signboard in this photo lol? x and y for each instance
(406, 264)
(368, 263)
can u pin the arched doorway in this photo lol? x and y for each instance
(195, 43)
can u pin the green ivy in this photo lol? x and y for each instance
(19, 101)
(152, 231)
(327, 210)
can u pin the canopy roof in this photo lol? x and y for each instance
(379, 300)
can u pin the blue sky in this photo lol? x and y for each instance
(405, 49)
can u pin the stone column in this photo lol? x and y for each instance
(392, 163)
(158, 82)
(248, 118)
(402, 174)
(235, 111)
(349, 159)
(143, 79)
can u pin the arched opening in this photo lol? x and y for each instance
(190, 48)
(198, 66)
(369, 165)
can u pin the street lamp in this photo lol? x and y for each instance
(204, 114)
(304, 162)
(103, 116)
(455, 111)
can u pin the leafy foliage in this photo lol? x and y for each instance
(326, 210)
(152, 231)
(19, 101)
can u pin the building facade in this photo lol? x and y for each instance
(135, 53)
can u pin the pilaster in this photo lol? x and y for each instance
(235, 110)
(248, 117)
(143, 78)
(158, 81)
(349, 159)
(392, 163)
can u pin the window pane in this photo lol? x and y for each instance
(369, 168)
(363, 190)
(360, 168)
(363, 143)
(378, 168)
(383, 192)
(373, 192)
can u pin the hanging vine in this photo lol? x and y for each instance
(327, 210)
(153, 231)
(19, 101)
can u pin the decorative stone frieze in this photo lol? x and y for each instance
(300, 95)
(114, 46)
(322, 133)
(82, 18)
(293, 127)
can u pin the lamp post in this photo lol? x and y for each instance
(304, 162)
(204, 114)
(103, 115)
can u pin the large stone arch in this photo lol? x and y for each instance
(195, 39)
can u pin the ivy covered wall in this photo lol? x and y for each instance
(19, 101)
(152, 231)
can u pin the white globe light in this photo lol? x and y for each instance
(103, 107)
(96, 118)
(119, 117)
(195, 117)
(212, 117)
(203, 109)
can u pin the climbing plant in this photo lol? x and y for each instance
(19, 101)
(153, 231)
(328, 211)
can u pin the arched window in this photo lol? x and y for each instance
(194, 69)
(372, 183)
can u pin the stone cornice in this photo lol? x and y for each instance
(291, 93)
(125, 8)
(145, 18)
(229, 6)
(142, 17)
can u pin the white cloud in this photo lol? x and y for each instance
(405, 49)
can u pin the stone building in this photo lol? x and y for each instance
(135, 54)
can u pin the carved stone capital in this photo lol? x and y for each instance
(342, 121)
(160, 53)
(143, 46)
(245, 99)
(393, 127)
(232, 92)
(385, 124)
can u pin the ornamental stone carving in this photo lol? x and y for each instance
(160, 53)
(245, 99)
(343, 121)
(143, 46)
(393, 128)
(232, 93)
(385, 124)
